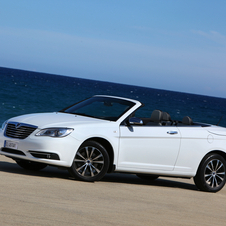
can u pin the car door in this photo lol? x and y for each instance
(148, 147)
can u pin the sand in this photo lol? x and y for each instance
(52, 197)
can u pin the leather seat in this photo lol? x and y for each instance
(166, 119)
(156, 118)
(187, 120)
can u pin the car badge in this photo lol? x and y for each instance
(18, 125)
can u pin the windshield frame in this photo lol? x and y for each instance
(106, 103)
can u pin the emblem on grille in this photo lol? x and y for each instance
(18, 125)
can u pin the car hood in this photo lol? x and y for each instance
(217, 130)
(56, 119)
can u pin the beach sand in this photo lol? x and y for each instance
(52, 197)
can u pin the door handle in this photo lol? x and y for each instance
(172, 132)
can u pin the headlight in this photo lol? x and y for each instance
(54, 132)
(4, 124)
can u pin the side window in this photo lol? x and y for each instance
(143, 112)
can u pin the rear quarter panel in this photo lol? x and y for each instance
(196, 142)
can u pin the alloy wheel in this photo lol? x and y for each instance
(89, 161)
(214, 173)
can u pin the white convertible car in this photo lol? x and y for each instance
(102, 134)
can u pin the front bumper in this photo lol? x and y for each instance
(52, 151)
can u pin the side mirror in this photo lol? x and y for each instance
(135, 121)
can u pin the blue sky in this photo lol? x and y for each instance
(178, 45)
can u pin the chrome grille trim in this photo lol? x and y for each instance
(19, 130)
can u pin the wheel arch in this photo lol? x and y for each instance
(219, 152)
(107, 145)
(222, 153)
(207, 181)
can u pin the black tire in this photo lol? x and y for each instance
(211, 173)
(91, 162)
(147, 176)
(30, 165)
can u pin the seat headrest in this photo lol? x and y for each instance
(187, 120)
(156, 116)
(166, 116)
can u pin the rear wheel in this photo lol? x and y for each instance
(211, 173)
(91, 162)
(147, 176)
(30, 165)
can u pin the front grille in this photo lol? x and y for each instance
(19, 130)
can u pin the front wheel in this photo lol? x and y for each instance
(30, 165)
(211, 173)
(91, 162)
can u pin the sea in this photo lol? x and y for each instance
(25, 92)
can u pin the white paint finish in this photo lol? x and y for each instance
(161, 150)
(148, 147)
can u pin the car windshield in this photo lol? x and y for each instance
(107, 108)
